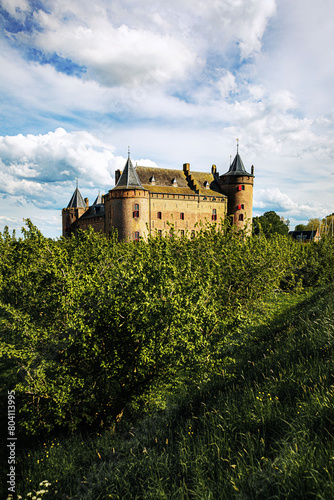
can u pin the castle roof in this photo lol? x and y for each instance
(167, 180)
(129, 178)
(77, 200)
(237, 167)
(98, 200)
(96, 210)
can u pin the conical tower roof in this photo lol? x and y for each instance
(129, 178)
(77, 200)
(237, 167)
(98, 200)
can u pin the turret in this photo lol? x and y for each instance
(237, 184)
(127, 205)
(74, 210)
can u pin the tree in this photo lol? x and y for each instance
(89, 325)
(314, 223)
(269, 224)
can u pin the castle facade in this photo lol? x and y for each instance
(148, 200)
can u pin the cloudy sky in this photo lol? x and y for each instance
(178, 82)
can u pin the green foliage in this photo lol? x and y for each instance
(262, 429)
(301, 227)
(89, 325)
(270, 224)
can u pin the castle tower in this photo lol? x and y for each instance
(237, 185)
(74, 210)
(127, 205)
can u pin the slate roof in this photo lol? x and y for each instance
(98, 200)
(77, 200)
(129, 178)
(93, 211)
(237, 168)
(304, 235)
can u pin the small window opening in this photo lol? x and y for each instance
(136, 211)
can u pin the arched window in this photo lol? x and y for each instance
(136, 236)
(159, 215)
(182, 216)
(214, 214)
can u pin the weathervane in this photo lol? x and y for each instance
(76, 182)
(129, 152)
(237, 146)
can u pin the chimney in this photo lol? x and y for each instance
(252, 170)
(87, 202)
(186, 168)
(118, 174)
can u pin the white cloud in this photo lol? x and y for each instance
(16, 8)
(117, 56)
(178, 81)
(33, 166)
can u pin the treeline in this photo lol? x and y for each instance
(90, 327)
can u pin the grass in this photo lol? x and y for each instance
(263, 429)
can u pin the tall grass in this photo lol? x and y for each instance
(263, 429)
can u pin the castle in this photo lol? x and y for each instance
(147, 200)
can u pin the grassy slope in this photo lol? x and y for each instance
(262, 430)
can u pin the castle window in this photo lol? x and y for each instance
(192, 234)
(136, 211)
(159, 215)
(239, 207)
(241, 216)
(160, 233)
(182, 216)
(182, 232)
(242, 206)
(214, 214)
(136, 236)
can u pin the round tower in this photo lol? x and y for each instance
(127, 206)
(74, 210)
(237, 185)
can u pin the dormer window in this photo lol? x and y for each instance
(152, 180)
(206, 185)
(174, 182)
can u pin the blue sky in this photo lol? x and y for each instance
(176, 81)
